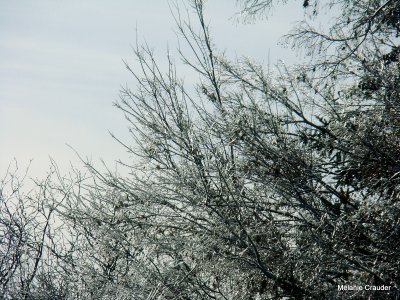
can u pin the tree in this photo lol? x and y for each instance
(256, 185)
(29, 239)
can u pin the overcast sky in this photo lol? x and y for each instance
(61, 69)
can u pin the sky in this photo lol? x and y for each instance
(61, 69)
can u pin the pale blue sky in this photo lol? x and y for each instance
(61, 69)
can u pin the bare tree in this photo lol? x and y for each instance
(253, 184)
(33, 243)
(269, 185)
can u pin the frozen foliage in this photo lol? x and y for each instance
(257, 185)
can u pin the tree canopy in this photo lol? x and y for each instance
(254, 184)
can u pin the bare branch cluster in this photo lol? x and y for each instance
(253, 184)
